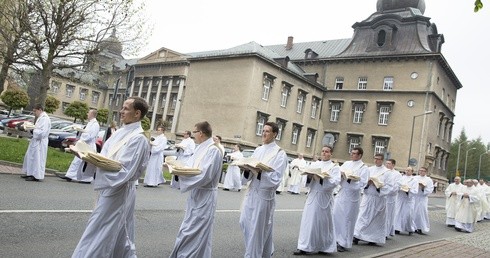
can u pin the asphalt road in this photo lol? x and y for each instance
(47, 219)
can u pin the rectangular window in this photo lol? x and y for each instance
(280, 124)
(353, 142)
(362, 83)
(388, 83)
(384, 113)
(110, 99)
(335, 112)
(358, 112)
(315, 104)
(95, 97)
(118, 98)
(55, 86)
(284, 96)
(261, 120)
(83, 93)
(339, 83)
(379, 146)
(301, 99)
(173, 99)
(267, 88)
(69, 90)
(309, 138)
(163, 97)
(295, 135)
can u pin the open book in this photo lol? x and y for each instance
(349, 174)
(378, 183)
(422, 182)
(176, 167)
(28, 125)
(405, 188)
(251, 163)
(315, 171)
(90, 156)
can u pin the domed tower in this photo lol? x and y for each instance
(111, 45)
(109, 52)
(398, 27)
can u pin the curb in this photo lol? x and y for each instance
(404, 248)
(48, 171)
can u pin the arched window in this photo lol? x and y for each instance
(381, 38)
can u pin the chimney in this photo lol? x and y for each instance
(289, 45)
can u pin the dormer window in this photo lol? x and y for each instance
(381, 38)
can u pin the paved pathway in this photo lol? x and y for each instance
(464, 245)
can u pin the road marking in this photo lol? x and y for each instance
(90, 211)
(45, 211)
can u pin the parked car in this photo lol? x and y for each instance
(56, 137)
(3, 122)
(60, 124)
(99, 142)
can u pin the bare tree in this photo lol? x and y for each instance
(62, 33)
(12, 15)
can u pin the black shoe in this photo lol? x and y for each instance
(226, 189)
(397, 232)
(62, 176)
(458, 229)
(300, 252)
(371, 243)
(451, 226)
(151, 186)
(419, 231)
(278, 192)
(31, 178)
(340, 248)
(24, 176)
(410, 233)
(355, 240)
(83, 182)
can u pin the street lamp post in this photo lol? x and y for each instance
(466, 162)
(457, 161)
(411, 136)
(479, 163)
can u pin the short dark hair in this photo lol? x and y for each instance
(392, 161)
(379, 155)
(188, 133)
(39, 107)
(219, 137)
(140, 104)
(275, 128)
(359, 150)
(240, 148)
(163, 128)
(205, 128)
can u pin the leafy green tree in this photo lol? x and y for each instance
(145, 123)
(102, 115)
(78, 110)
(474, 148)
(52, 104)
(15, 99)
(478, 5)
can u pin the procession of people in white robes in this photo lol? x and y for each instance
(405, 203)
(233, 181)
(421, 214)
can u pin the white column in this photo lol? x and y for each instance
(141, 86)
(167, 98)
(155, 104)
(178, 105)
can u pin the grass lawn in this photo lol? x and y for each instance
(13, 150)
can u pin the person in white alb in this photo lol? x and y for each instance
(371, 223)
(296, 166)
(110, 228)
(346, 205)
(257, 216)
(185, 149)
(196, 231)
(316, 233)
(421, 214)
(154, 171)
(80, 170)
(34, 165)
(467, 211)
(404, 209)
(394, 176)
(451, 193)
(233, 180)
(485, 189)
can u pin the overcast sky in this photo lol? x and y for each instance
(195, 25)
